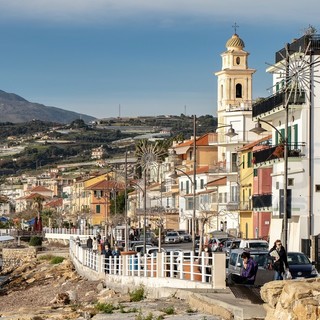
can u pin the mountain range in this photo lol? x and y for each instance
(16, 109)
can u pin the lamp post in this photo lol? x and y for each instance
(283, 140)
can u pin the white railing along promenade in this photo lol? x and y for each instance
(164, 269)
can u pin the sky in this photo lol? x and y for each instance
(110, 58)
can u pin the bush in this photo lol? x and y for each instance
(56, 260)
(169, 310)
(105, 307)
(137, 295)
(35, 241)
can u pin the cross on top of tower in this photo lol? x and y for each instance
(235, 26)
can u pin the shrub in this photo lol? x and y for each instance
(105, 307)
(35, 241)
(45, 257)
(169, 310)
(56, 260)
(137, 295)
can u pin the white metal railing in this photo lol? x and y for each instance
(208, 271)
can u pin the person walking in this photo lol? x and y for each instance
(207, 262)
(95, 245)
(279, 260)
(107, 257)
(116, 255)
(248, 272)
(89, 243)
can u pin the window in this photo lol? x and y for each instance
(98, 209)
(238, 60)
(233, 259)
(290, 182)
(98, 193)
(255, 172)
(201, 183)
(187, 187)
(238, 90)
(233, 195)
(243, 161)
(317, 187)
(295, 134)
(234, 167)
(249, 159)
(181, 185)
(189, 203)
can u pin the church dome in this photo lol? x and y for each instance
(235, 42)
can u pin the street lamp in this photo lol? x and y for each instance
(284, 141)
(231, 132)
(175, 176)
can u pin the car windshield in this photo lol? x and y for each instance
(297, 258)
(171, 234)
(259, 245)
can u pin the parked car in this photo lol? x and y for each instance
(230, 245)
(184, 236)
(260, 256)
(216, 244)
(150, 237)
(139, 248)
(172, 237)
(300, 266)
(254, 244)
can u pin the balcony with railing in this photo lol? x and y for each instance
(245, 206)
(269, 154)
(262, 201)
(235, 105)
(301, 45)
(232, 206)
(275, 103)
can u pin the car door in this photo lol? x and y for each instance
(264, 275)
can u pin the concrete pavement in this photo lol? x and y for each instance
(227, 304)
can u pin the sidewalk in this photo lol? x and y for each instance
(239, 304)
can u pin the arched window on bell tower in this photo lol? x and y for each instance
(238, 90)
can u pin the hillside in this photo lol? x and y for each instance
(16, 109)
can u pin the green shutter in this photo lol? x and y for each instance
(295, 128)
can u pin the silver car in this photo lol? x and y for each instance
(172, 237)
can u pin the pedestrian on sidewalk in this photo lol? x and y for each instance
(279, 260)
(89, 243)
(107, 258)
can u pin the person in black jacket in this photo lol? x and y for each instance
(279, 257)
(107, 257)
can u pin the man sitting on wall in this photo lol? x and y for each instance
(248, 272)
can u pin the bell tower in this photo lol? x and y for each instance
(234, 98)
(235, 78)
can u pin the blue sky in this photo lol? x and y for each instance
(149, 57)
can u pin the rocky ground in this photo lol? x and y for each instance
(40, 290)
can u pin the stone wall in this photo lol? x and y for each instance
(17, 256)
(292, 299)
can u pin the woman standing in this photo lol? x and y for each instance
(279, 257)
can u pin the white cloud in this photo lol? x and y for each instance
(82, 11)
